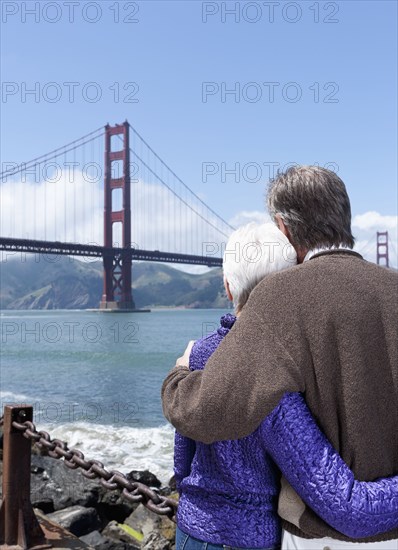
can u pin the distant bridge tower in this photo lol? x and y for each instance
(117, 294)
(382, 248)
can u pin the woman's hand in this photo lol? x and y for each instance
(184, 360)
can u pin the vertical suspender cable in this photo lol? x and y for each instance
(65, 179)
(74, 198)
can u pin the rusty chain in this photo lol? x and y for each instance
(134, 491)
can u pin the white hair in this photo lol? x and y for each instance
(252, 252)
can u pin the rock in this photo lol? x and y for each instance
(77, 519)
(35, 469)
(112, 506)
(143, 520)
(155, 541)
(145, 477)
(148, 523)
(46, 505)
(93, 539)
(55, 487)
(84, 506)
(52, 481)
(115, 532)
(172, 484)
(167, 528)
(110, 544)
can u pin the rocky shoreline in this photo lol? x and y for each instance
(99, 517)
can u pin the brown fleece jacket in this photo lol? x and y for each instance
(327, 328)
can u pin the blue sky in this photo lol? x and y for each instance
(332, 65)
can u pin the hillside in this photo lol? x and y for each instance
(67, 283)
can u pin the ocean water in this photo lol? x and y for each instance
(94, 379)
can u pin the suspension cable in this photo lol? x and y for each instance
(180, 180)
(54, 153)
(172, 190)
(180, 198)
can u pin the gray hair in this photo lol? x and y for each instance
(314, 205)
(252, 252)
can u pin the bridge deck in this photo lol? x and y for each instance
(76, 249)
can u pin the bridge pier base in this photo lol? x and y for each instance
(117, 295)
(117, 306)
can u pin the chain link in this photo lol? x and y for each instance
(134, 491)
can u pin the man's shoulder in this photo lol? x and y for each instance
(334, 271)
(335, 263)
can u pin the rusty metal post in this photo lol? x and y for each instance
(19, 527)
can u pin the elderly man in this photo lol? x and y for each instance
(328, 328)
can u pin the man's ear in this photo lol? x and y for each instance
(227, 290)
(282, 226)
(301, 252)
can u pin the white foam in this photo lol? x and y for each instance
(121, 448)
(11, 398)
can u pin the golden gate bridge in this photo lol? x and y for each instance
(64, 203)
(160, 199)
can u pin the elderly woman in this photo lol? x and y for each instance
(229, 489)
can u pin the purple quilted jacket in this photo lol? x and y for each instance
(229, 489)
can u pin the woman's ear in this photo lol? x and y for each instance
(227, 290)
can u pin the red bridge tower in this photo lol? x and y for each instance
(117, 294)
(382, 248)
